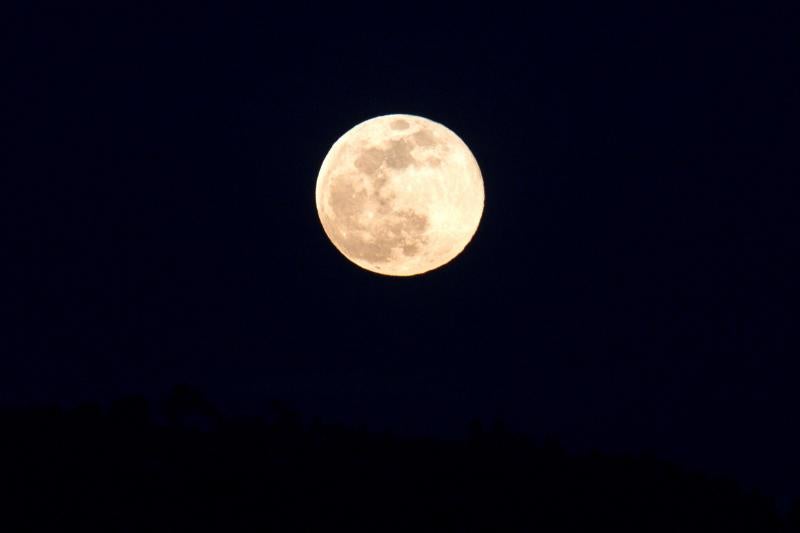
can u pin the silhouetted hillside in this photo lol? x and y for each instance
(90, 469)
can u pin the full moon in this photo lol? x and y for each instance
(400, 195)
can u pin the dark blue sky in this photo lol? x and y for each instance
(632, 287)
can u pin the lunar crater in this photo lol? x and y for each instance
(370, 160)
(399, 154)
(424, 138)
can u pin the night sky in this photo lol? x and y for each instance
(632, 286)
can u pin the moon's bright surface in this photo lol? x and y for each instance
(400, 195)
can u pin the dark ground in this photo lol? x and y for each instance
(89, 469)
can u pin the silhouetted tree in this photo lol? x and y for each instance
(187, 407)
